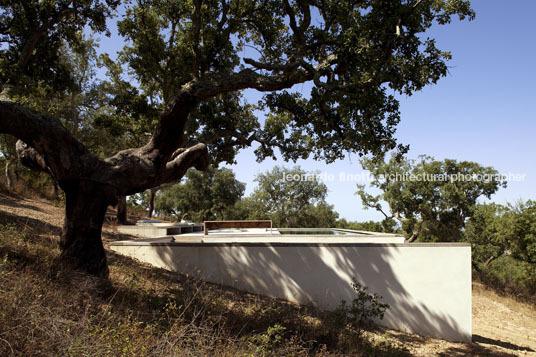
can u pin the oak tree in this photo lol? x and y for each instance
(203, 196)
(193, 59)
(432, 200)
(292, 198)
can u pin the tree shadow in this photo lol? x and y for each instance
(240, 313)
(15, 202)
(255, 267)
(508, 345)
(473, 350)
(24, 222)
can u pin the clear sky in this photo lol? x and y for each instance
(483, 111)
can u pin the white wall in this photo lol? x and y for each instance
(428, 286)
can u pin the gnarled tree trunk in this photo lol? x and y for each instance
(80, 241)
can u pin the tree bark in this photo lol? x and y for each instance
(9, 179)
(55, 191)
(414, 236)
(151, 202)
(80, 241)
(122, 210)
(490, 259)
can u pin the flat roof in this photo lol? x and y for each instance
(170, 241)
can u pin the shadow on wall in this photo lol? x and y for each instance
(428, 291)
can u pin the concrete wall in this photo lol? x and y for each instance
(159, 229)
(428, 286)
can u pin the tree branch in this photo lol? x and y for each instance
(65, 156)
(30, 158)
(195, 156)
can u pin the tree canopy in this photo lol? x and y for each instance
(503, 241)
(291, 198)
(190, 61)
(204, 196)
(431, 199)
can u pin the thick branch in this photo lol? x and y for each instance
(66, 157)
(169, 134)
(30, 158)
(490, 259)
(195, 156)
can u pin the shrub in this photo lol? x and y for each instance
(512, 275)
(364, 310)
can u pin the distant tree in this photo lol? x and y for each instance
(7, 149)
(190, 59)
(519, 229)
(484, 231)
(290, 196)
(503, 241)
(386, 225)
(248, 208)
(429, 198)
(321, 215)
(204, 195)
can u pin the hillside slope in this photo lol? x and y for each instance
(152, 312)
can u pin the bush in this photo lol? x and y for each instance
(364, 310)
(511, 275)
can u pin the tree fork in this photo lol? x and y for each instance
(80, 241)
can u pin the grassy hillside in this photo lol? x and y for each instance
(45, 310)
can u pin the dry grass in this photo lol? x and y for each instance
(46, 310)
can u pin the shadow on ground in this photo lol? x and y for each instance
(508, 345)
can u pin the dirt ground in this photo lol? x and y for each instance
(502, 326)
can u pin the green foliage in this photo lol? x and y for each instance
(291, 198)
(267, 343)
(7, 147)
(320, 215)
(431, 199)
(385, 226)
(208, 195)
(32, 34)
(352, 53)
(519, 228)
(162, 53)
(503, 243)
(511, 275)
(248, 208)
(484, 232)
(363, 311)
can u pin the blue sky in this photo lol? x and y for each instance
(483, 111)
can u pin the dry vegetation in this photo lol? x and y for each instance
(46, 310)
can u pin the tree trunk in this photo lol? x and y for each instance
(81, 244)
(151, 202)
(8, 177)
(122, 210)
(414, 236)
(55, 191)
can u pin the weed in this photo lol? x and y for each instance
(364, 310)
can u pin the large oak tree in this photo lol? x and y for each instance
(329, 70)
